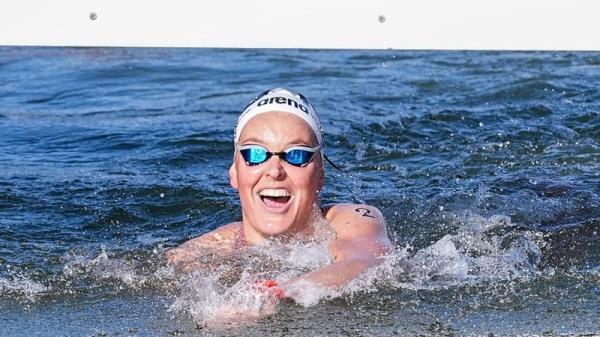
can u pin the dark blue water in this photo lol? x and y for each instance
(486, 166)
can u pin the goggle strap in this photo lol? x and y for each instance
(334, 165)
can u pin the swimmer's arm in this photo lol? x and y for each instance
(221, 238)
(361, 243)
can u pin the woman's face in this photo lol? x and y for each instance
(276, 197)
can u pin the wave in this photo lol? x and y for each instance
(483, 251)
(530, 89)
(22, 287)
(477, 255)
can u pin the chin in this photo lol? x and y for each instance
(270, 227)
(273, 221)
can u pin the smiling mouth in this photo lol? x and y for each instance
(275, 201)
(275, 198)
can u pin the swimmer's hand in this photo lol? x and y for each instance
(262, 301)
(270, 288)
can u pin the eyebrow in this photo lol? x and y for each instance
(295, 141)
(253, 140)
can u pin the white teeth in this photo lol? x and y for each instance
(276, 193)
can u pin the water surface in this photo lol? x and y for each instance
(485, 164)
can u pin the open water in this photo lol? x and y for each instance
(486, 166)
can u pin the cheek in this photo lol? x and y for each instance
(307, 180)
(248, 176)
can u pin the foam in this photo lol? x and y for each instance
(125, 272)
(478, 250)
(22, 287)
(483, 249)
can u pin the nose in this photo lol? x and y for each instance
(275, 169)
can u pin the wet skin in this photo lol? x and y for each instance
(360, 231)
(276, 132)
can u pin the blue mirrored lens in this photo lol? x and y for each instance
(298, 157)
(254, 155)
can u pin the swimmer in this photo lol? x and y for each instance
(278, 172)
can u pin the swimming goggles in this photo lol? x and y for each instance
(298, 156)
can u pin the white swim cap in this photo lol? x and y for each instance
(283, 100)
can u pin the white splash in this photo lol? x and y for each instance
(23, 287)
(211, 303)
(482, 249)
(126, 272)
(231, 293)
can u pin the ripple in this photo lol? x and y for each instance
(64, 95)
(9, 200)
(380, 57)
(533, 112)
(523, 90)
(115, 217)
(573, 245)
(485, 165)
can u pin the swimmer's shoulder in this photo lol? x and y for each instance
(220, 239)
(352, 221)
(225, 233)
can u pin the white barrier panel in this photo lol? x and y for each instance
(377, 24)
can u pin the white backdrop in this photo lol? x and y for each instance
(407, 24)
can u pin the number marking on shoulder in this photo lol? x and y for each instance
(365, 212)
